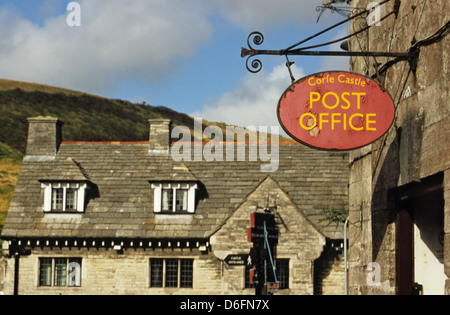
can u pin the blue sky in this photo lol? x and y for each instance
(182, 54)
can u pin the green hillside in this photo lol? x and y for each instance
(10, 161)
(86, 118)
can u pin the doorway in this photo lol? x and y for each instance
(420, 238)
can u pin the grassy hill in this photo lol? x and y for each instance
(86, 117)
(10, 160)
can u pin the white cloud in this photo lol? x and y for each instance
(116, 40)
(261, 14)
(254, 101)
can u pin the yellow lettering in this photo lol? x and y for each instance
(312, 100)
(345, 100)
(336, 104)
(334, 121)
(306, 127)
(368, 122)
(359, 98)
(321, 115)
(350, 122)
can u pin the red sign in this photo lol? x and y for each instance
(336, 111)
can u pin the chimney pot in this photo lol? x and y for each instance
(159, 136)
(44, 136)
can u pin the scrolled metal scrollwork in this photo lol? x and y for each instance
(255, 65)
(258, 39)
(353, 14)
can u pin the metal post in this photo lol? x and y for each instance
(270, 253)
(345, 254)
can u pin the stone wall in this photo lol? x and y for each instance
(415, 148)
(299, 241)
(2, 273)
(111, 272)
(329, 275)
(447, 230)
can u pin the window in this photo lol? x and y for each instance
(181, 199)
(171, 273)
(60, 272)
(64, 197)
(71, 199)
(174, 198)
(167, 200)
(282, 271)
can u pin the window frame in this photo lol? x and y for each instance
(283, 285)
(163, 280)
(188, 199)
(57, 274)
(78, 202)
(286, 263)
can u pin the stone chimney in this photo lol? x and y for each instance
(159, 136)
(44, 137)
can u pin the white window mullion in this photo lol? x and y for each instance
(191, 199)
(157, 198)
(64, 199)
(48, 198)
(80, 198)
(174, 198)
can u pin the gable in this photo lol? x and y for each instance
(296, 232)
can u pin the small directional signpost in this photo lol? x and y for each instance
(237, 260)
(263, 233)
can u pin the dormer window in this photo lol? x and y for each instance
(174, 198)
(64, 197)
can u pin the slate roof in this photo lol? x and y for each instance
(120, 199)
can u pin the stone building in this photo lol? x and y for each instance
(399, 189)
(126, 218)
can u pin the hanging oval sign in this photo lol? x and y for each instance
(336, 111)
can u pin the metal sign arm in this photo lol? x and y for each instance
(257, 38)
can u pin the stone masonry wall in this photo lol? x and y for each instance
(299, 241)
(416, 146)
(109, 272)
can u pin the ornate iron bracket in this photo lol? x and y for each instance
(257, 38)
(256, 65)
